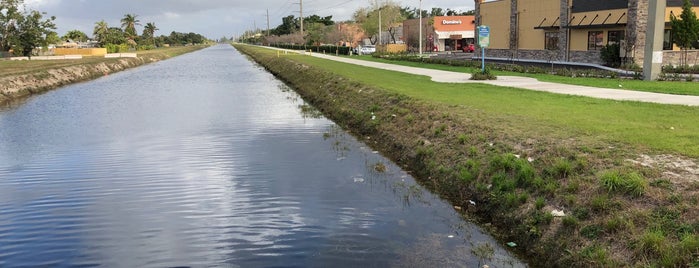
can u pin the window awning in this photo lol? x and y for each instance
(448, 34)
(597, 26)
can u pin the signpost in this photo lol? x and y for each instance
(483, 42)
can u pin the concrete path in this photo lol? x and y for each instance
(529, 83)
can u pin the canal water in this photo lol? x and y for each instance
(206, 160)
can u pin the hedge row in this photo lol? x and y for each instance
(320, 49)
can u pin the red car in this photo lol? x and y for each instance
(470, 48)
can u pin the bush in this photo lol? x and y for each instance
(483, 75)
(610, 55)
(630, 183)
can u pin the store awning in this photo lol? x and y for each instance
(449, 34)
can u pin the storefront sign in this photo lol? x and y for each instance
(451, 22)
(455, 37)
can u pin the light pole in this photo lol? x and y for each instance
(420, 10)
(380, 42)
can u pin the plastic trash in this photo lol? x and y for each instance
(511, 244)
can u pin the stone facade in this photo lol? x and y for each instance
(637, 24)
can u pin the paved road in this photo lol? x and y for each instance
(529, 83)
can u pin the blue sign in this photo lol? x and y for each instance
(483, 36)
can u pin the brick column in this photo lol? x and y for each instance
(563, 37)
(637, 23)
(514, 28)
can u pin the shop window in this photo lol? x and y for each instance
(667, 40)
(551, 40)
(615, 37)
(595, 40)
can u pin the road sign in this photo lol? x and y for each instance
(483, 36)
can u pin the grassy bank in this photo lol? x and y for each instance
(667, 87)
(623, 173)
(22, 78)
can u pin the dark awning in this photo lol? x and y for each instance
(596, 26)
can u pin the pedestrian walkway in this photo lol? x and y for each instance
(528, 83)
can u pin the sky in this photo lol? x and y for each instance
(211, 18)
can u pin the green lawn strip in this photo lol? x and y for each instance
(664, 128)
(667, 87)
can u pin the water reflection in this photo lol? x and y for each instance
(169, 165)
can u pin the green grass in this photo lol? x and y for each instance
(662, 128)
(667, 87)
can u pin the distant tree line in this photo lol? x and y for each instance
(22, 31)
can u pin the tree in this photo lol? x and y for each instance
(22, 30)
(75, 35)
(685, 30)
(149, 31)
(114, 35)
(32, 31)
(436, 11)
(129, 23)
(288, 26)
(390, 15)
(9, 15)
(100, 32)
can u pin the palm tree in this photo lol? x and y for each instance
(150, 29)
(100, 31)
(129, 23)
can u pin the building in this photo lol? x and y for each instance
(452, 33)
(440, 33)
(572, 30)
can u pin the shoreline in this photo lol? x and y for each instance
(20, 86)
(558, 207)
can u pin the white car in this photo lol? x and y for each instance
(366, 50)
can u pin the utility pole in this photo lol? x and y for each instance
(301, 12)
(653, 51)
(420, 10)
(268, 22)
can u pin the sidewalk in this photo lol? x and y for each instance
(529, 83)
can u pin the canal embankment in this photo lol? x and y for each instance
(20, 79)
(563, 201)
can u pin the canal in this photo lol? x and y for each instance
(206, 160)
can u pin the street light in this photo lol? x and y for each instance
(420, 10)
(380, 42)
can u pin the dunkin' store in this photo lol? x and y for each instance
(453, 33)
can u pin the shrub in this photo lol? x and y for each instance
(540, 202)
(630, 183)
(591, 231)
(483, 75)
(610, 55)
(653, 243)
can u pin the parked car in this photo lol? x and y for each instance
(365, 50)
(470, 48)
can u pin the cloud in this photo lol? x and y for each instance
(212, 18)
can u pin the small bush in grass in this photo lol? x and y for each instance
(591, 231)
(483, 75)
(689, 244)
(540, 203)
(615, 224)
(635, 184)
(653, 243)
(612, 181)
(570, 221)
(597, 256)
(631, 183)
